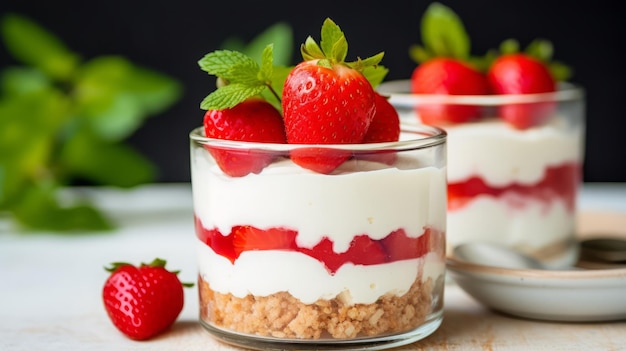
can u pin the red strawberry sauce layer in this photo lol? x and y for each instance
(363, 250)
(559, 182)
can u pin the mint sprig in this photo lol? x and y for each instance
(240, 76)
(243, 77)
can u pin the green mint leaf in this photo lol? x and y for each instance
(152, 91)
(22, 80)
(115, 96)
(40, 209)
(333, 42)
(443, 32)
(232, 66)
(32, 45)
(229, 96)
(25, 151)
(88, 157)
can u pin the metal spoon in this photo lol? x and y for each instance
(604, 249)
(487, 254)
(599, 250)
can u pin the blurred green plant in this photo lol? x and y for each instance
(63, 121)
(280, 34)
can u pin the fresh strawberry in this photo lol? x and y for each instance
(327, 101)
(143, 301)
(385, 127)
(252, 120)
(362, 251)
(447, 76)
(400, 247)
(385, 124)
(444, 61)
(519, 73)
(365, 251)
(250, 238)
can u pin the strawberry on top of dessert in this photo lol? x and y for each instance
(322, 100)
(446, 66)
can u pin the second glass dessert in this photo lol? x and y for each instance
(506, 185)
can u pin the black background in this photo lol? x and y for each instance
(170, 36)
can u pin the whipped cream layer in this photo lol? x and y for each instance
(340, 206)
(374, 201)
(529, 228)
(502, 155)
(262, 273)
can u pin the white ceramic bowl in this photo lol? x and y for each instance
(564, 295)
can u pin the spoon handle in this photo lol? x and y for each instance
(604, 249)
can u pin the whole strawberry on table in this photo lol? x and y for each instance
(143, 301)
(322, 100)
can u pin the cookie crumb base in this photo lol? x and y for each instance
(283, 316)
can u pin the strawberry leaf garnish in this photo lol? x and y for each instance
(375, 74)
(333, 49)
(443, 32)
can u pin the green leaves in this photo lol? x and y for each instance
(443, 33)
(333, 49)
(333, 42)
(115, 96)
(64, 120)
(243, 74)
(244, 70)
(34, 46)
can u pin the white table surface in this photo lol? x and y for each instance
(50, 285)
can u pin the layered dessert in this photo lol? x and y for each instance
(514, 187)
(515, 137)
(318, 219)
(290, 253)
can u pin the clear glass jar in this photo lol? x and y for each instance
(294, 259)
(509, 184)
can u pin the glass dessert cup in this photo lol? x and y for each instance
(510, 185)
(293, 259)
